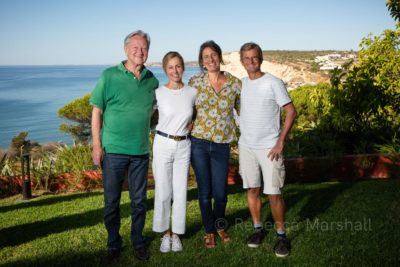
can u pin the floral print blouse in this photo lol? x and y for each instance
(215, 119)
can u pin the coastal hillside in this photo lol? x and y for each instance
(295, 68)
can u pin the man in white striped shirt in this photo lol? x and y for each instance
(261, 143)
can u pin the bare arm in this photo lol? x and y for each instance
(291, 114)
(190, 124)
(97, 121)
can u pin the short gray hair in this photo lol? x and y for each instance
(139, 33)
(249, 46)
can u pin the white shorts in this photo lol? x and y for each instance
(273, 172)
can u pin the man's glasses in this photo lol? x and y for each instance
(250, 59)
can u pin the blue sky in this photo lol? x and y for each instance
(92, 31)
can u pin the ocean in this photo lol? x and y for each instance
(30, 97)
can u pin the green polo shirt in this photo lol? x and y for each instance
(127, 104)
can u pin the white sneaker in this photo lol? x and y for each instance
(165, 243)
(176, 243)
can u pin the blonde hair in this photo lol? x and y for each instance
(169, 56)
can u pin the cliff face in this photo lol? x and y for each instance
(293, 74)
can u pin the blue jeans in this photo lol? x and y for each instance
(115, 167)
(210, 162)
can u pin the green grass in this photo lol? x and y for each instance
(352, 224)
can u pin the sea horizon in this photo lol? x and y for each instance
(30, 96)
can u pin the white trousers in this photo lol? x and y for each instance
(171, 161)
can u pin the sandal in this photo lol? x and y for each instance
(209, 240)
(223, 235)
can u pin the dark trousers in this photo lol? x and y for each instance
(210, 162)
(115, 167)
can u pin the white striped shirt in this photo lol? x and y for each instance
(261, 102)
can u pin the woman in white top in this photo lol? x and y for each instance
(171, 153)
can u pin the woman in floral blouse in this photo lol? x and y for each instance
(214, 128)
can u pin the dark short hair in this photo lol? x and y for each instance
(139, 33)
(209, 44)
(250, 45)
(168, 56)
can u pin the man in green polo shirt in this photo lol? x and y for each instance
(122, 106)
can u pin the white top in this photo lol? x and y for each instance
(260, 105)
(175, 109)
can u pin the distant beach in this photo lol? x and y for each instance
(31, 95)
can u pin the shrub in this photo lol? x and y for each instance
(73, 159)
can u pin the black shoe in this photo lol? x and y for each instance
(142, 253)
(255, 239)
(282, 247)
(112, 254)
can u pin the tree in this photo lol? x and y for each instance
(79, 111)
(312, 103)
(361, 110)
(366, 97)
(394, 8)
(312, 134)
(20, 144)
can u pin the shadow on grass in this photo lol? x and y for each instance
(317, 201)
(192, 195)
(20, 234)
(23, 233)
(241, 220)
(93, 258)
(241, 215)
(48, 201)
(192, 228)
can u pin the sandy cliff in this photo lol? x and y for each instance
(292, 75)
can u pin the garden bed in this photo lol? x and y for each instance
(346, 168)
(298, 170)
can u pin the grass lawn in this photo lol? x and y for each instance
(352, 224)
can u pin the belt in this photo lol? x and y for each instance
(175, 137)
